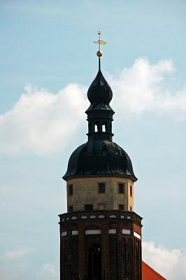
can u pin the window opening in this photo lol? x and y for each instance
(94, 263)
(88, 207)
(70, 190)
(101, 187)
(104, 128)
(121, 207)
(96, 128)
(130, 190)
(121, 188)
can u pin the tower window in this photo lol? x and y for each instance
(70, 208)
(121, 206)
(96, 128)
(94, 269)
(101, 187)
(88, 207)
(70, 190)
(104, 128)
(121, 188)
(130, 190)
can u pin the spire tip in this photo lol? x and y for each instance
(99, 42)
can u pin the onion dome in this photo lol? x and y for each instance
(99, 91)
(99, 158)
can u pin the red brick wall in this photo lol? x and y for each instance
(120, 253)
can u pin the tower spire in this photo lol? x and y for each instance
(99, 52)
(99, 112)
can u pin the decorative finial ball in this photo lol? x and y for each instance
(99, 53)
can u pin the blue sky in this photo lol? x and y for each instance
(48, 61)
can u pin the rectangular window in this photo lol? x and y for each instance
(101, 187)
(70, 208)
(130, 190)
(130, 208)
(101, 206)
(70, 190)
(88, 207)
(121, 188)
(121, 207)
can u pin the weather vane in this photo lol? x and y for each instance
(99, 42)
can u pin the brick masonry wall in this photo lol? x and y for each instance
(116, 233)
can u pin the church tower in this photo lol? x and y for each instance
(100, 235)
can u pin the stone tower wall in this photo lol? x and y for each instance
(85, 191)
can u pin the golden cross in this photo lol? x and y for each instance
(100, 42)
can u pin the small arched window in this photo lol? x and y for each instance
(96, 128)
(94, 263)
(104, 128)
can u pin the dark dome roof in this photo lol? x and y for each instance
(99, 91)
(100, 158)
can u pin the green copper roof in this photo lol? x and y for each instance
(100, 158)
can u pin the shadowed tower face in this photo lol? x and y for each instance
(100, 235)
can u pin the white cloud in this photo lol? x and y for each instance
(49, 271)
(28, 270)
(145, 88)
(14, 263)
(18, 252)
(43, 122)
(18, 264)
(169, 263)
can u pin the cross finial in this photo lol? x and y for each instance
(100, 42)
